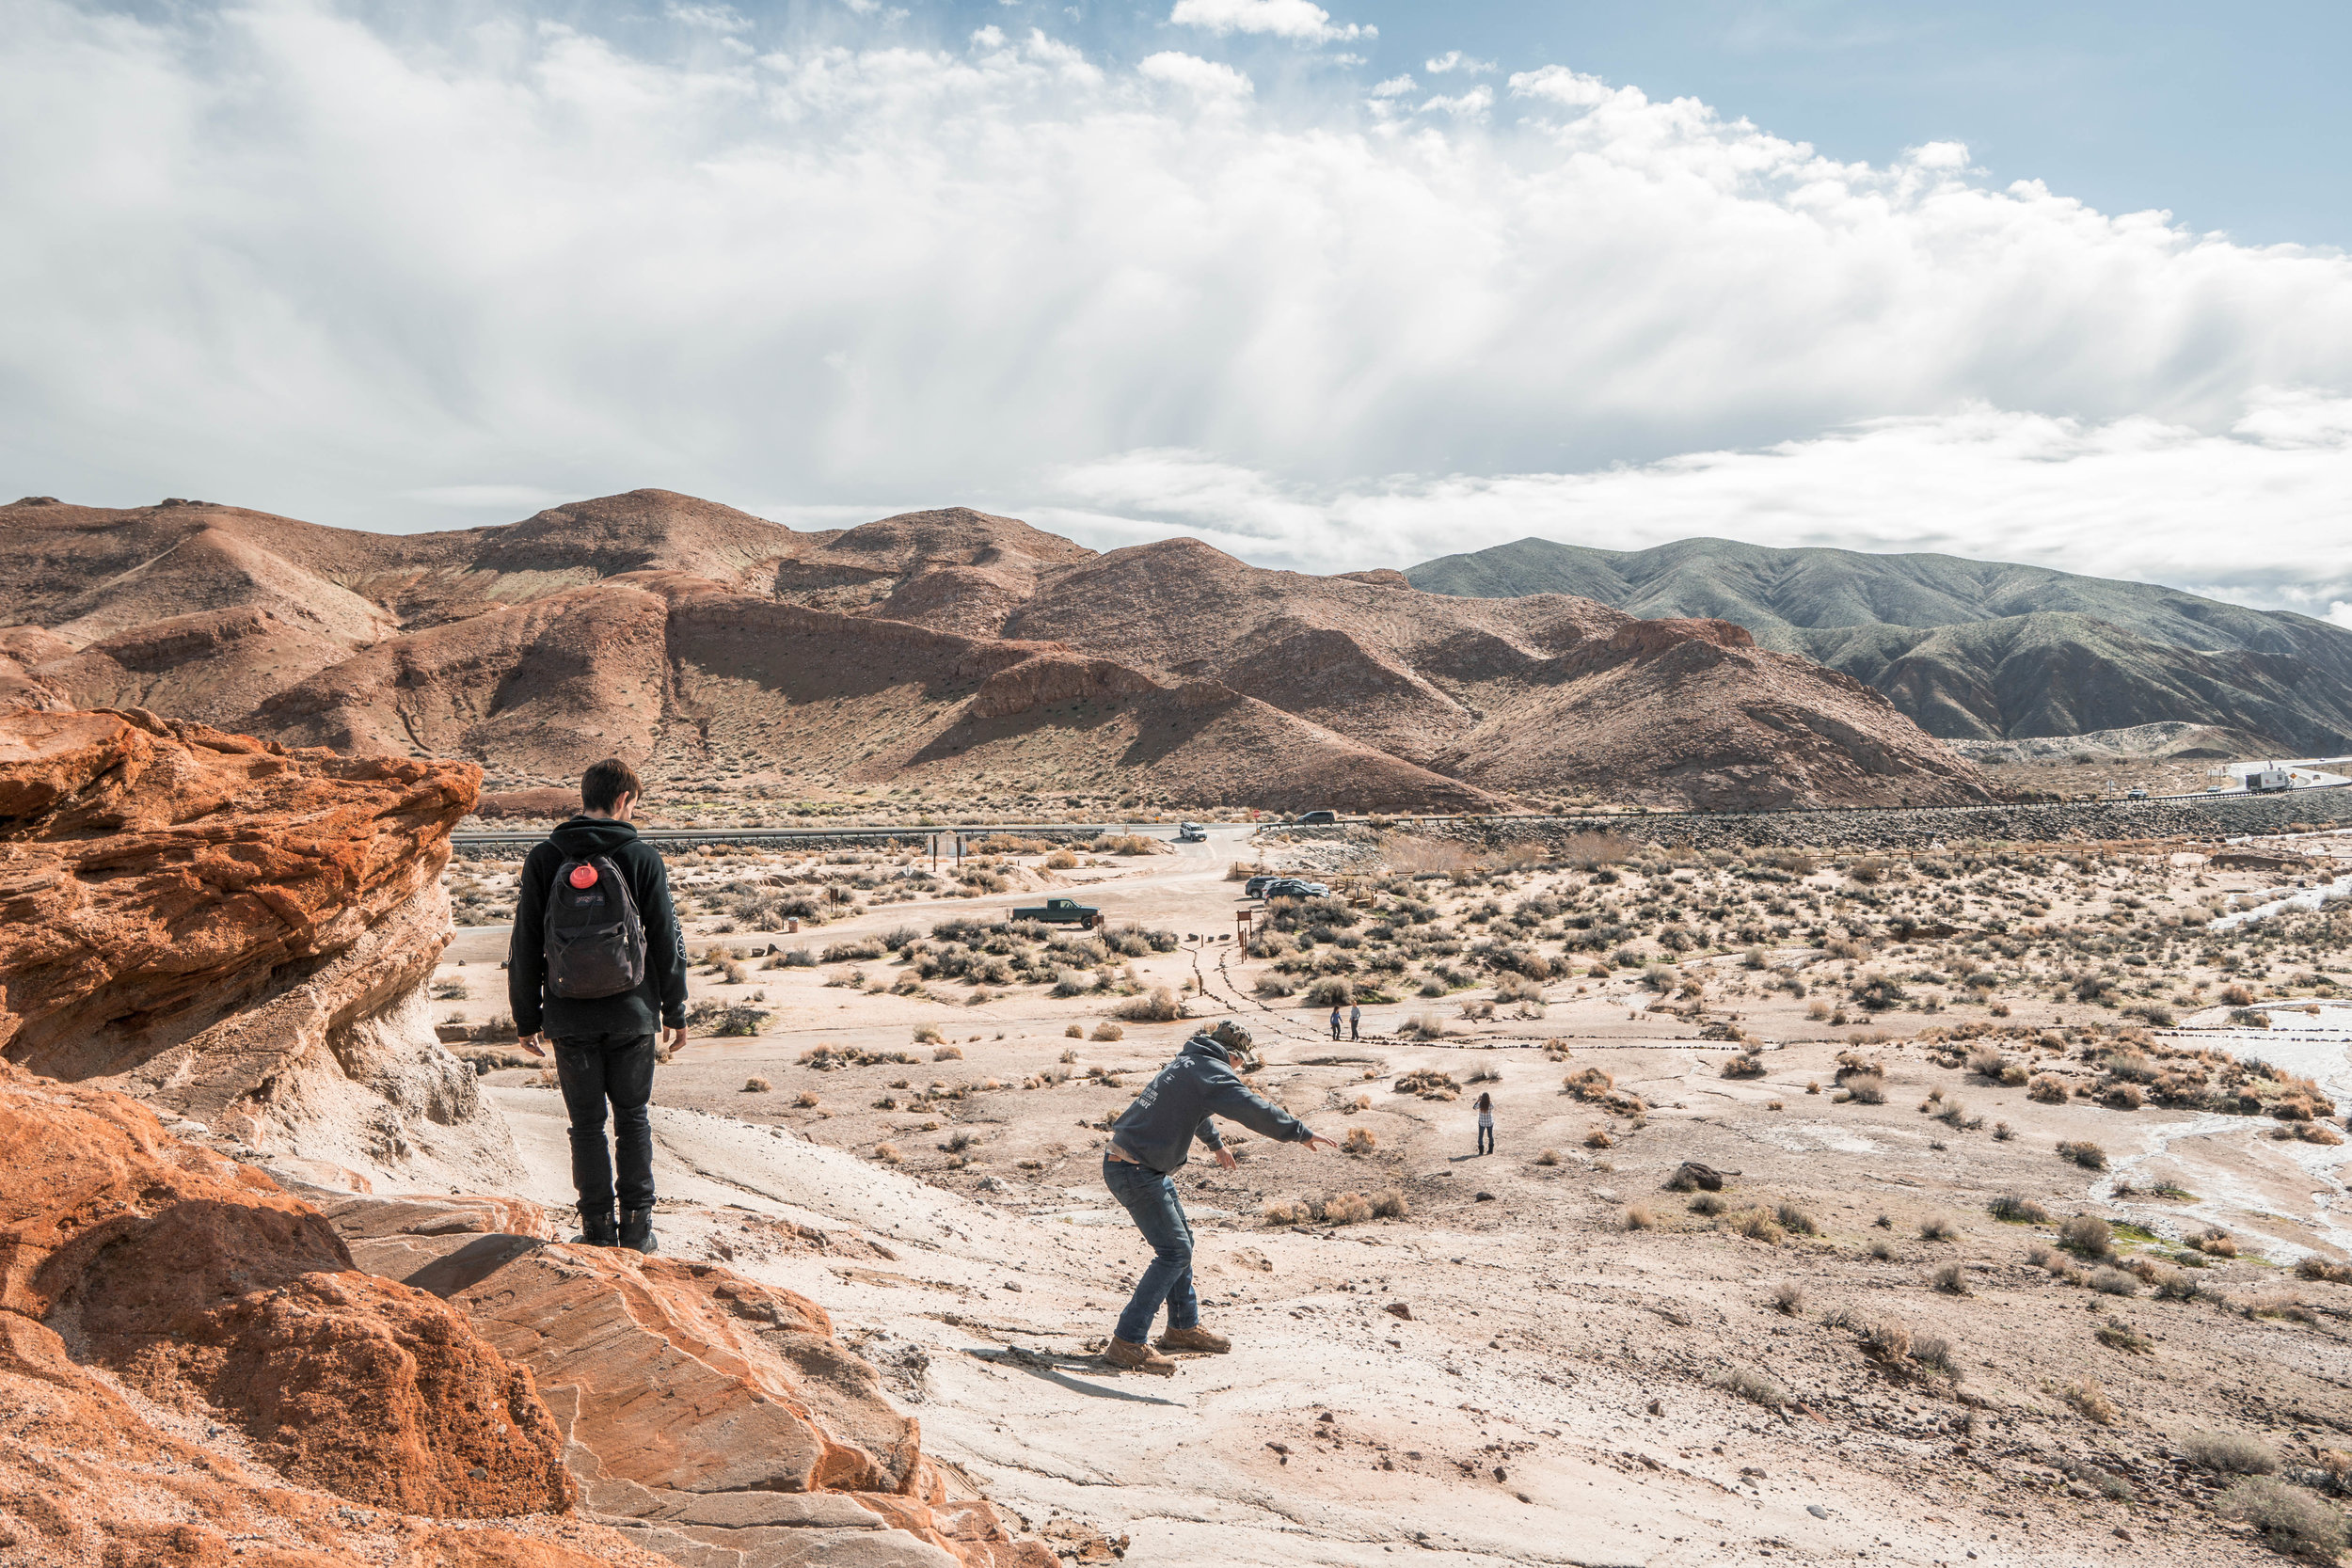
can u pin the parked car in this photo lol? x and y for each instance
(1317, 819)
(1191, 833)
(1256, 886)
(1063, 912)
(1295, 887)
(2134, 795)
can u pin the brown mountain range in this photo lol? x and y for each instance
(943, 651)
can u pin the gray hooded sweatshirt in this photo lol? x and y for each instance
(1197, 1084)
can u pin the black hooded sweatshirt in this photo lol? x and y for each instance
(660, 999)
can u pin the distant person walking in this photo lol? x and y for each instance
(1149, 1143)
(1335, 1021)
(1486, 1122)
(597, 963)
(1355, 1023)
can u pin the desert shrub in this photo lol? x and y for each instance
(1934, 1352)
(1867, 1089)
(887, 1153)
(1757, 1225)
(862, 950)
(2087, 1155)
(2118, 1335)
(1598, 1137)
(1274, 987)
(1788, 1300)
(1128, 843)
(1744, 1065)
(2291, 1520)
(1360, 1140)
(2122, 1096)
(1075, 1032)
(756, 1086)
(949, 1054)
(2018, 1210)
(1938, 1228)
(1079, 982)
(2319, 1269)
(2232, 1453)
(1754, 1387)
(1637, 1217)
(806, 1099)
(1952, 1279)
(2090, 1401)
(1108, 1031)
(1345, 1209)
(2216, 1243)
(1281, 1212)
(1390, 1204)
(1332, 990)
(741, 1020)
(2087, 1235)
(1795, 1220)
(1881, 1250)
(1887, 1339)
(1157, 1006)
(1548, 1157)
(2048, 1088)
(2114, 1282)
(1709, 1204)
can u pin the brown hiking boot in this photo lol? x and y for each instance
(1193, 1338)
(1137, 1358)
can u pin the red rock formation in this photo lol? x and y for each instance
(235, 932)
(200, 1283)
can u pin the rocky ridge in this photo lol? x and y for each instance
(947, 650)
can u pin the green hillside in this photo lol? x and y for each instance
(1970, 649)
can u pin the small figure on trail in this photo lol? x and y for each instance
(598, 963)
(1486, 1122)
(1355, 1023)
(1335, 1021)
(1149, 1143)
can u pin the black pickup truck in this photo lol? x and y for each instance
(1062, 912)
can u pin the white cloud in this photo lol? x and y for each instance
(1208, 78)
(2339, 613)
(719, 18)
(2131, 498)
(284, 256)
(1453, 60)
(1472, 105)
(1300, 20)
(1396, 87)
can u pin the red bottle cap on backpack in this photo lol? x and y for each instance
(583, 875)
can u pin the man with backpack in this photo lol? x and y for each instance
(597, 963)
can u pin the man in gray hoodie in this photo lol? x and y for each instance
(1149, 1143)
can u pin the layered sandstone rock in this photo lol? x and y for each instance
(237, 933)
(199, 1284)
(710, 1417)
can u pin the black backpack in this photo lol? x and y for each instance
(595, 943)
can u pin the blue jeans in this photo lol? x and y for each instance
(1150, 1199)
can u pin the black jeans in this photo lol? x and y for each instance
(594, 1070)
(1150, 1199)
(1486, 1140)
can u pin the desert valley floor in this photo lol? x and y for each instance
(1881, 1340)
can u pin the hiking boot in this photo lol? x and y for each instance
(1137, 1358)
(599, 1230)
(637, 1230)
(1193, 1338)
